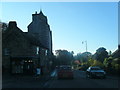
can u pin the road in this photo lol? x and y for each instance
(80, 81)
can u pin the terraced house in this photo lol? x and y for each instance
(22, 51)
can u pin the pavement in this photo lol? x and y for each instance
(19, 81)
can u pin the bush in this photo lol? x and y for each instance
(117, 67)
(98, 63)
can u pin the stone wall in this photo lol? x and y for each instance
(15, 44)
(40, 28)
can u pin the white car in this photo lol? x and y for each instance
(95, 71)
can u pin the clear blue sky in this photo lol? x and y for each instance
(71, 23)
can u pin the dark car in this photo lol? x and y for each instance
(93, 72)
(64, 71)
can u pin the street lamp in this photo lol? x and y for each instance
(85, 44)
(86, 47)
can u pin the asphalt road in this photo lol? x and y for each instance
(80, 81)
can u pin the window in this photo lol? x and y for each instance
(46, 52)
(6, 51)
(37, 51)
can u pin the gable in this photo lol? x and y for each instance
(14, 35)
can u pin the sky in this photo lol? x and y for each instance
(71, 23)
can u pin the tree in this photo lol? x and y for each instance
(64, 57)
(83, 57)
(3, 26)
(101, 54)
(54, 62)
(109, 53)
(116, 64)
(90, 62)
(107, 62)
(112, 65)
(97, 63)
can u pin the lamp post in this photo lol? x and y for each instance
(86, 47)
(85, 44)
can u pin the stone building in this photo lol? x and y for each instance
(41, 30)
(23, 51)
(116, 54)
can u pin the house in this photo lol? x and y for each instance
(40, 28)
(116, 54)
(24, 51)
(17, 50)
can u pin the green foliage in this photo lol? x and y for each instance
(117, 67)
(98, 63)
(101, 54)
(90, 62)
(107, 62)
(116, 64)
(100, 58)
(112, 65)
(84, 66)
(83, 57)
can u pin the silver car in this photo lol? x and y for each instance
(95, 71)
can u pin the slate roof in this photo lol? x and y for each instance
(116, 54)
(13, 30)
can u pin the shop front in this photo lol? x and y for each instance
(22, 65)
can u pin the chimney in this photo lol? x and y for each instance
(12, 24)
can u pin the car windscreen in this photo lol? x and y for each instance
(95, 69)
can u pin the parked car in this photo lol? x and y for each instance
(93, 72)
(64, 71)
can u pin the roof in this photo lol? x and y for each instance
(116, 54)
(12, 30)
(17, 32)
